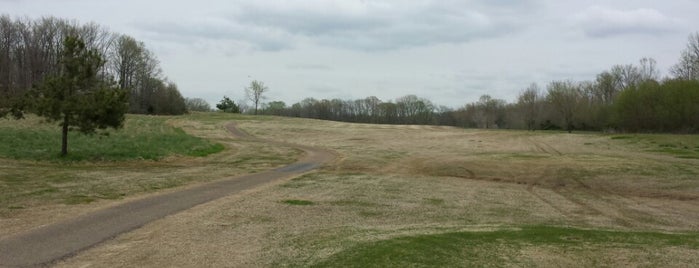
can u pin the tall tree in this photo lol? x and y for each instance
(688, 67)
(275, 108)
(255, 92)
(607, 87)
(564, 96)
(125, 59)
(78, 97)
(30, 51)
(626, 75)
(529, 103)
(197, 105)
(166, 99)
(648, 70)
(490, 111)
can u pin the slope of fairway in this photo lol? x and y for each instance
(487, 197)
(151, 154)
(142, 137)
(513, 246)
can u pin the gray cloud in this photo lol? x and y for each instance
(602, 22)
(307, 66)
(450, 51)
(354, 25)
(192, 31)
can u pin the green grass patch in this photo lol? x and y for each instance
(297, 202)
(370, 214)
(680, 146)
(204, 151)
(622, 137)
(494, 248)
(79, 199)
(143, 137)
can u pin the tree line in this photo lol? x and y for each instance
(31, 51)
(631, 97)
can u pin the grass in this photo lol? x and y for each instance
(143, 137)
(150, 154)
(405, 196)
(493, 248)
(680, 146)
(451, 178)
(297, 202)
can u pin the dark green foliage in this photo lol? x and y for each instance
(12, 106)
(78, 97)
(672, 106)
(228, 106)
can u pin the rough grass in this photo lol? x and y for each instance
(150, 154)
(297, 202)
(486, 197)
(499, 248)
(680, 146)
(143, 137)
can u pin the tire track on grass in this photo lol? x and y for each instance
(48, 244)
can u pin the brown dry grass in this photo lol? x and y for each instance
(126, 180)
(400, 180)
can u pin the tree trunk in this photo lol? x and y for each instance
(64, 141)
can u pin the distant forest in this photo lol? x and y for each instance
(630, 98)
(30, 51)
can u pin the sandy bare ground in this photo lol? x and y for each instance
(391, 181)
(50, 243)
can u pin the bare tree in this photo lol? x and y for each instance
(626, 75)
(124, 60)
(255, 92)
(648, 70)
(490, 111)
(414, 110)
(688, 67)
(138, 70)
(197, 105)
(529, 103)
(30, 51)
(564, 96)
(607, 87)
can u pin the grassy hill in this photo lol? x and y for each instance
(396, 196)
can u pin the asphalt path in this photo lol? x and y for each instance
(48, 244)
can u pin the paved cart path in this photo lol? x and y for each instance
(48, 244)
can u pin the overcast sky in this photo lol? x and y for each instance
(450, 52)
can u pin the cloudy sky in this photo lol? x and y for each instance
(450, 52)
